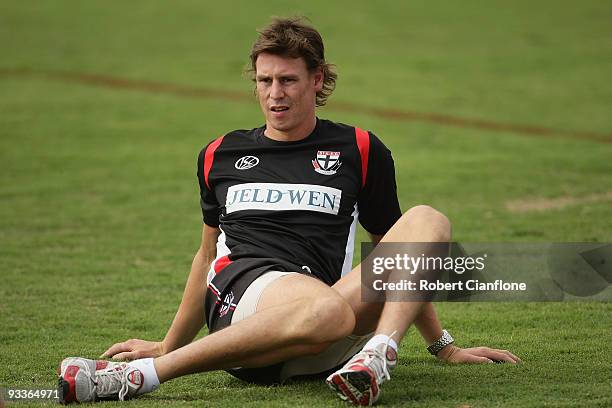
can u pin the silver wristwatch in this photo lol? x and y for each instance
(442, 342)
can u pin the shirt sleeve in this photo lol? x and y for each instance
(378, 204)
(211, 210)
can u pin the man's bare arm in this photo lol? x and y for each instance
(189, 318)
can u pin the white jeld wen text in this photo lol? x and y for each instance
(282, 197)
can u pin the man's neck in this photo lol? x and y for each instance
(292, 135)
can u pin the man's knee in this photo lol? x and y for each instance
(326, 320)
(425, 216)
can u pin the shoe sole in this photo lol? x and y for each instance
(63, 389)
(354, 386)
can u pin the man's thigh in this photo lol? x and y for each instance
(275, 289)
(291, 287)
(296, 286)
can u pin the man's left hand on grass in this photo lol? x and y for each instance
(476, 355)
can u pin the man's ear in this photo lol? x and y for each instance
(318, 78)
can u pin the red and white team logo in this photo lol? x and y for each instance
(327, 162)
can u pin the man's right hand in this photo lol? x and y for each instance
(134, 349)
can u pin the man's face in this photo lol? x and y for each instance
(287, 94)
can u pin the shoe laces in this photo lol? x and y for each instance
(377, 359)
(384, 353)
(112, 381)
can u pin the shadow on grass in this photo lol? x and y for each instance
(429, 383)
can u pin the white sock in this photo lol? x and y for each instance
(151, 381)
(380, 339)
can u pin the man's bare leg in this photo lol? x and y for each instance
(360, 379)
(307, 317)
(419, 224)
(302, 316)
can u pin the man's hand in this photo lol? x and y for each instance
(476, 355)
(134, 349)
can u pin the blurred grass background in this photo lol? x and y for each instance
(99, 204)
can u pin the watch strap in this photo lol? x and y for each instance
(442, 342)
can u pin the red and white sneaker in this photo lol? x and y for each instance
(84, 380)
(360, 379)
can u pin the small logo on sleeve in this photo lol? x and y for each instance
(246, 162)
(327, 162)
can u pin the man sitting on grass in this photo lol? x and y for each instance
(272, 278)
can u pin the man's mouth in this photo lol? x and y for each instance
(279, 108)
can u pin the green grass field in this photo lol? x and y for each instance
(99, 208)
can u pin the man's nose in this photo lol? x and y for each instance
(276, 90)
